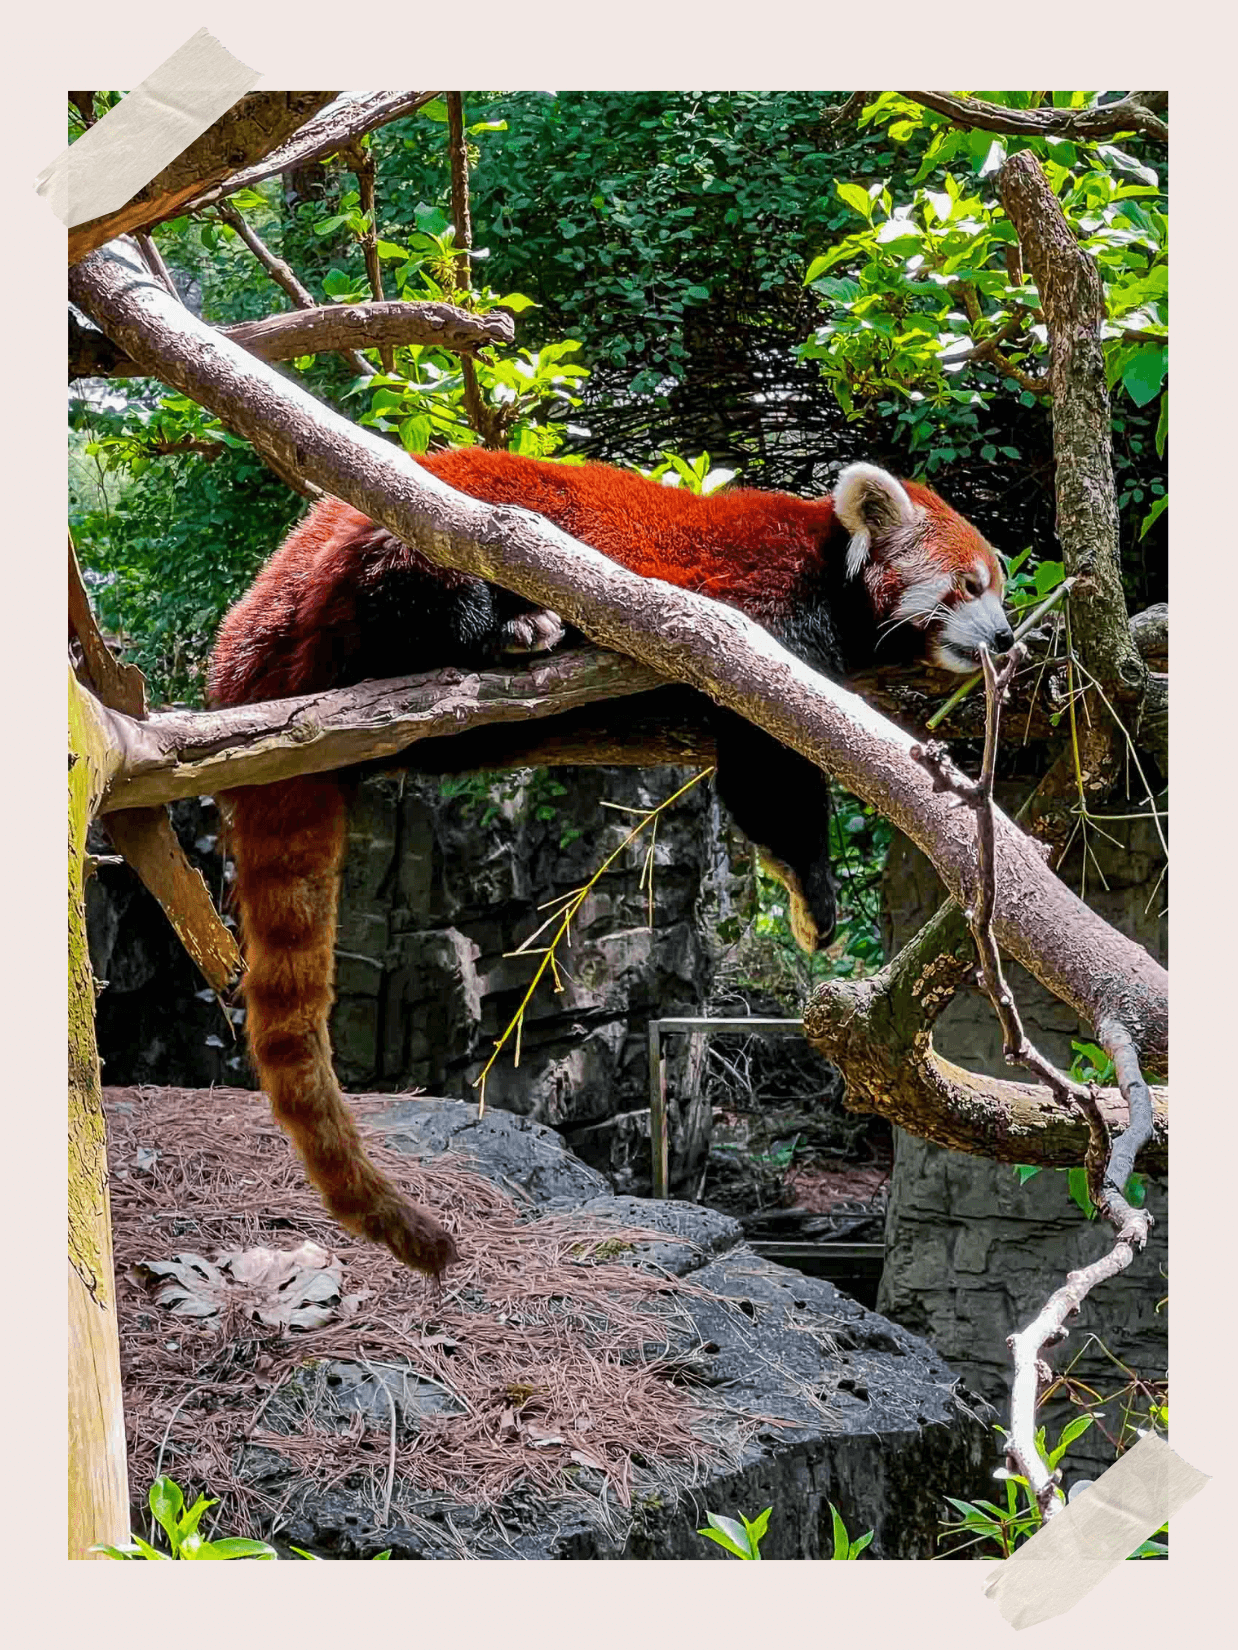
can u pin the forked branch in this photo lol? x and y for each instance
(1108, 1164)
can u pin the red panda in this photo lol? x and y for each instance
(881, 569)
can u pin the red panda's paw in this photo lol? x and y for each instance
(533, 632)
(410, 1232)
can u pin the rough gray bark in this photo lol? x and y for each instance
(1072, 296)
(194, 753)
(676, 633)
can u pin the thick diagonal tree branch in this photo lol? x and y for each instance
(676, 633)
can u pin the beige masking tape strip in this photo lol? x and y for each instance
(1092, 1534)
(145, 132)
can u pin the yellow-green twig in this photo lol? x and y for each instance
(567, 907)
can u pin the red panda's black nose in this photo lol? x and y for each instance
(1003, 639)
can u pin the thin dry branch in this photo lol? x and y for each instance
(346, 119)
(318, 329)
(487, 425)
(677, 633)
(1104, 1163)
(281, 273)
(361, 159)
(192, 753)
(255, 126)
(1136, 112)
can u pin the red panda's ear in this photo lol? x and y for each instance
(871, 504)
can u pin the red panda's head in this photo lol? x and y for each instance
(923, 565)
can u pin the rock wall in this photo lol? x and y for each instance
(971, 1254)
(437, 894)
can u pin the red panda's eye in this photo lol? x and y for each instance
(973, 586)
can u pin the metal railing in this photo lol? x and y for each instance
(658, 1139)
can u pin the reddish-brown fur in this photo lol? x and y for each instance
(299, 629)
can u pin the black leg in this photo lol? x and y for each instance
(781, 802)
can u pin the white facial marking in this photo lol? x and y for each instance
(919, 600)
(970, 626)
(857, 553)
(982, 573)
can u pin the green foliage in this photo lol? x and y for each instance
(697, 475)
(927, 280)
(185, 1540)
(637, 216)
(1007, 1528)
(844, 1547)
(525, 793)
(167, 547)
(739, 1537)
(927, 319)
(767, 955)
(180, 1526)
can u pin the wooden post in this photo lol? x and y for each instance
(98, 1477)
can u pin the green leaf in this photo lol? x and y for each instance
(1026, 1171)
(337, 284)
(857, 199)
(146, 1550)
(236, 1546)
(167, 1503)
(700, 293)
(328, 225)
(431, 220)
(1072, 1430)
(727, 1533)
(1077, 1182)
(1047, 577)
(1162, 426)
(435, 110)
(859, 1544)
(1144, 374)
(1154, 514)
(516, 302)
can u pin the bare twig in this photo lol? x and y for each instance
(361, 159)
(317, 329)
(154, 260)
(282, 274)
(345, 120)
(487, 426)
(846, 111)
(1104, 1164)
